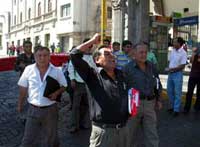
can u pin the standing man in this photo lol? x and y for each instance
(80, 105)
(43, 112)
(124, 56)
(142, 76)
(177, 61)
(52, 47)
(25, 58)
(109, 103)
(22, 61)
(194, 80)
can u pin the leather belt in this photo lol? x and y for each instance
(148, 98)
(103, 125)
(41, 107)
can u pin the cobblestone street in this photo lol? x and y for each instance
(182, 131)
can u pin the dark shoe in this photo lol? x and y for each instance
(84, 128)
(175, 114)
(170, 110)
(72, 131)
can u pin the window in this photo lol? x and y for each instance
(20, 17)
(65, 10)
(15, 20)
(39, 9)
(29, 13)
(49, 5)
(109, 12)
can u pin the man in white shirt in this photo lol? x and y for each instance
(42, 115)
(177, 61)
(80, 117)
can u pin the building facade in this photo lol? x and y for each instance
(63, 22)
(4, 32)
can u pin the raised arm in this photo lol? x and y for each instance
(81, 66)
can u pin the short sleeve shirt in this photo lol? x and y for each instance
(31, 79)
(177, 57)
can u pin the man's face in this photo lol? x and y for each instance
(141, 53)
(176, 45)
(27, 48)
(106, 43)
(116, 48)
(107, 60)
(42, 57)
(127, 48)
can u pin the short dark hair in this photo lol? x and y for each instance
(115, 43)
(126, 42)
(141, 43)
(180, 40)
(27, 42)
(97, 52)
(107, 40)
(39, 48)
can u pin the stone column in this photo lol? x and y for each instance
(117, 20)
(138, 20)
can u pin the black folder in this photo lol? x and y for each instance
(51, 86)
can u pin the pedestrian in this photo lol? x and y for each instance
(22, 61)
(12, 48)
(42, 118)
(109, 103)
(25, 58)
(80, 118)
(125, 56)
(106, 42)
(194, 80)
(142, 75)
(177, 61)
(53, 47)
(151, 57)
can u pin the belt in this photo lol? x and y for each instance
(103, 125)
(41, 107)
(148, 98)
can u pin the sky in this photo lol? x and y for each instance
(5, 5)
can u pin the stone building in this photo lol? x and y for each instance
(63, 22)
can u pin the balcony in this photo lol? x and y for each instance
(38, 19)
(48, 15)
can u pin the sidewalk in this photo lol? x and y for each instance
(163, 79)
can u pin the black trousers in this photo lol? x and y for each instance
(191, 85)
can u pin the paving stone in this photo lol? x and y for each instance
(182, 131)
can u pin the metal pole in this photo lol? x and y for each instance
(103, 20)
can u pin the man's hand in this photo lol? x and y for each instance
(158, 105)
(73, 84)
(54, 95)
(19, 108)
(96, 38)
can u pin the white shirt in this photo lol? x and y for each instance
(32, 80)
(73, 74)
(177, 57)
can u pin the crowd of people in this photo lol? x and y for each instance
(98, 82)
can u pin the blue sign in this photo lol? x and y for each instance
(186, 21)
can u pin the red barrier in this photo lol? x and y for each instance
(59, 59)
(9, 62)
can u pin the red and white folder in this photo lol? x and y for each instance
(133, 101)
